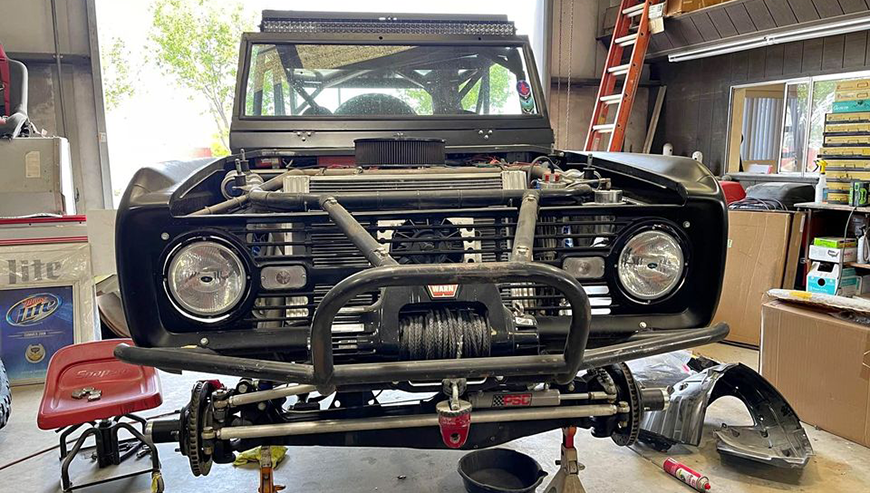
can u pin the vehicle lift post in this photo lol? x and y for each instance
(567, 480)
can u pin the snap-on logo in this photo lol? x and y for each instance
(103, 373)
(437, 291)
(33, 309)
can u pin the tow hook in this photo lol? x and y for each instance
(454, 414)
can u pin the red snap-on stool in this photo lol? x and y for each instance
(85, 384)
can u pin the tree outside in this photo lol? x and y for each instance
(117, 80)
(196, 44)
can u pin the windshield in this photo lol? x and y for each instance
(386, 80)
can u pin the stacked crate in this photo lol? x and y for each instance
(846, 151)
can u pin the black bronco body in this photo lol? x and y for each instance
(395, 218)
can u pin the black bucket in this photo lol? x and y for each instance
(500, 471)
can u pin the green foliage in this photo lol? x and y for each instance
(117, 81)
(196, 43)
(218, 147)
(419, 99)
(499, 92)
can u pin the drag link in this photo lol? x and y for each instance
(403, 422)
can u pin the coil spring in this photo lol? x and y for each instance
(444, 334)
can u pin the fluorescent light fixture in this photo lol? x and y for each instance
(720, 49)
(812, 32)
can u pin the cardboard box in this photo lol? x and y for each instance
(824, 254)
(763, 253)
(834, 242)
(821, 365)
(677, 7)
(828, 278)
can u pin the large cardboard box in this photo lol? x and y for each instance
(763, 252)
(677, 7)
(821, 365)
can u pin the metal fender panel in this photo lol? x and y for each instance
(776, 437)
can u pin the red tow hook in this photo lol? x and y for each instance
(454, 416)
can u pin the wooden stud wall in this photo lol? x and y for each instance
(697, 104)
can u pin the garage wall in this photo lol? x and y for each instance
(574, 52)
(695, 116)
(582, 57)
(26, 31)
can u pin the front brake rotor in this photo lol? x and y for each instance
(193, 418)
(628, 391)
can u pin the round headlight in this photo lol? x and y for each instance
(206, 278)
(651, 265)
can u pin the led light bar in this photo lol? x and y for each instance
(277, 21)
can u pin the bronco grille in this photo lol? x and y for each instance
(455, 235)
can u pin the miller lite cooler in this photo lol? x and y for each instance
(47, 296)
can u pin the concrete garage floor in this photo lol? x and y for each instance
(839, 465)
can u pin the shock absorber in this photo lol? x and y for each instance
(532, 398)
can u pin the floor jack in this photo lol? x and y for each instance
(567, 480)
(267, 477)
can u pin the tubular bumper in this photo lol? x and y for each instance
(637, 347)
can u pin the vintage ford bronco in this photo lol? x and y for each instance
(395, 221)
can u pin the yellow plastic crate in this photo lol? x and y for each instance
(835, 176)
(839, 186)
(848, 140)
(847, 164)
(853, 85)
(848, 117)
(845, 151)
(835, 197)
(847, 127)
(852, 95)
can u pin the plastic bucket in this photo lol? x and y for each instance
(500, 471)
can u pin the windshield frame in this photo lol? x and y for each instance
(250, 39)
(321, 133)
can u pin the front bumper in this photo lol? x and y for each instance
(636, 347)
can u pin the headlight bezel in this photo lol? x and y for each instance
(682, 242)
(241, 300)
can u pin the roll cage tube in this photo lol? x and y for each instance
(508, 58)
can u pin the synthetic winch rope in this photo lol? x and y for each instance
(444, 334)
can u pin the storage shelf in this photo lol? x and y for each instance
(857, 265)
(831, 207)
